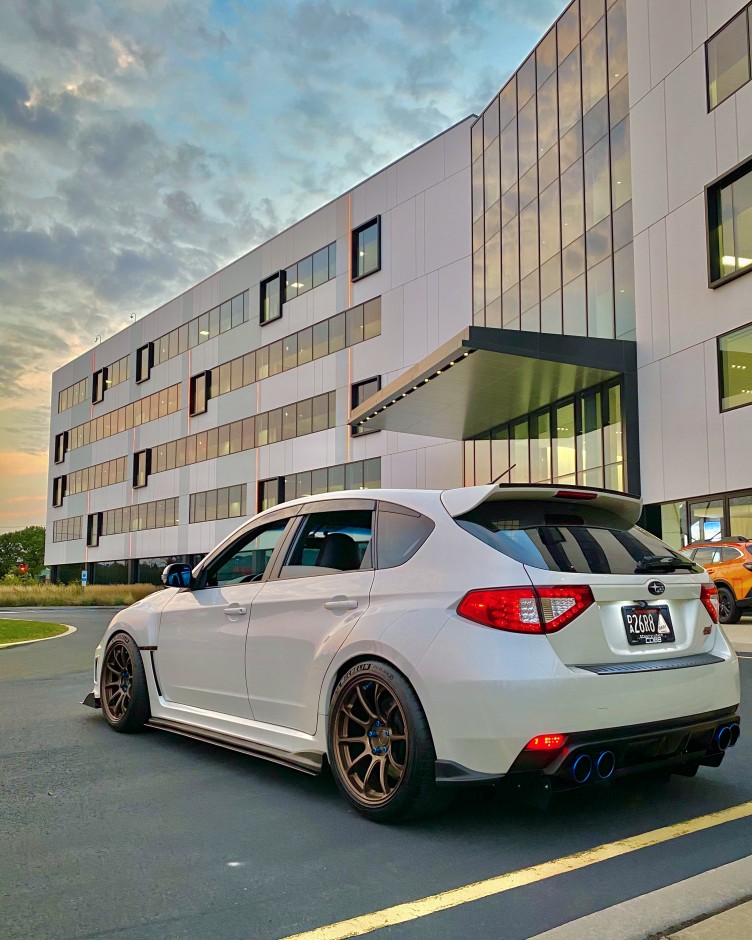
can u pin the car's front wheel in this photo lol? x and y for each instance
(728, 609)
(380, 746)
(122, 685)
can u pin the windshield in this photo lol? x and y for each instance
(569, 537)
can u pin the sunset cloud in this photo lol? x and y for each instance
(146, 143)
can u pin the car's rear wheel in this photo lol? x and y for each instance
(728, 609)
(122, 685)
(380, 746)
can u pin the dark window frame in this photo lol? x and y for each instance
(745, 10)
(376, 220)
(98, 385)
(59, 490)
(147, 468)
(93, 532)
(149, 363)
(61, 447)
(281, 277)
(206, 376)
(719, 364)
(362, 430)
(712, 210)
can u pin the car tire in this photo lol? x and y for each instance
(123, 693)
(728, 609)
(380, 746)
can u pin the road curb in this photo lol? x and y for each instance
(71, 607)
(42, 639)
(663, 912)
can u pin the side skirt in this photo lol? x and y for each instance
(309, 763)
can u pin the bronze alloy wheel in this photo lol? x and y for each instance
(370, 741)
(117, 680)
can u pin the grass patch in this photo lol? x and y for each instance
(16, 631)
(73, 595)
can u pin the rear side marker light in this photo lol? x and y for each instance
(546, 742)
(709, 598)
(526, 610)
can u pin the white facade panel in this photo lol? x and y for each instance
(418, 235)
(689, 449)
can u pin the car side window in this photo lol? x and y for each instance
(401, 534)
(248, 558)
(331, 542)
(730, 554)
(706, 556)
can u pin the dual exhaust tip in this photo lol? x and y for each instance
(584, 767)
(726, 736)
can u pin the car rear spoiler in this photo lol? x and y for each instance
(460, 501)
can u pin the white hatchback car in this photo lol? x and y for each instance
(417, 640)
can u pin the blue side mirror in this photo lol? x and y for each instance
(177, 575)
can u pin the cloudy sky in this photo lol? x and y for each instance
(146, 143)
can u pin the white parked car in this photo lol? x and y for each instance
(418, 640)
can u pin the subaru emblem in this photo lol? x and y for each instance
(656, 587)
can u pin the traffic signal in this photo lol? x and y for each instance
(23, 568)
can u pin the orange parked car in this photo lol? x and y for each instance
(729, 564)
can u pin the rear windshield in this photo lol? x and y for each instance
(571, 537)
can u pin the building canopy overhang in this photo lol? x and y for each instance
(486, 376)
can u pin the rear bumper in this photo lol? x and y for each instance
(487, 693)
(662, 745)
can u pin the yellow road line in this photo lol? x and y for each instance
(412, 910)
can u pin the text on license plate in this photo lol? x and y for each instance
(646, 625)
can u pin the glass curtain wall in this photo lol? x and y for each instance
(710, 518)
(579, 440)
(552, 190)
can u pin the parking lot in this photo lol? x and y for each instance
(155, 836)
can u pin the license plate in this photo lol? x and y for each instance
(648, 625)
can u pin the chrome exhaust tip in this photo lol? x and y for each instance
(605, 764)
(582, 768)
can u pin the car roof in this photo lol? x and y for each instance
(732, 540)
(462, 499)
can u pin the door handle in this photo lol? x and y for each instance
(341, 603)
(236, 611)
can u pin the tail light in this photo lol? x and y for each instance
(747, 565)
(526, 609)
(546, 742)
(709, 598)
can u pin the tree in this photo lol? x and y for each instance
(24, 547)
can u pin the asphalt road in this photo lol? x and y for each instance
(155, 836)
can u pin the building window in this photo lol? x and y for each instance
(357, 475)
(141, 467)
(366, 248)
(728, 59)
(359, 393)
(200, 392)
(93, 529)
(729, 206)
(578, 440)
(228, 502)
(58, 490)
(308, 273)
(735, 368)
(67, 530)
(61, 446)
(271, 293)
(270, 493)
(72, 395)
(144, 362)
(98, 385)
